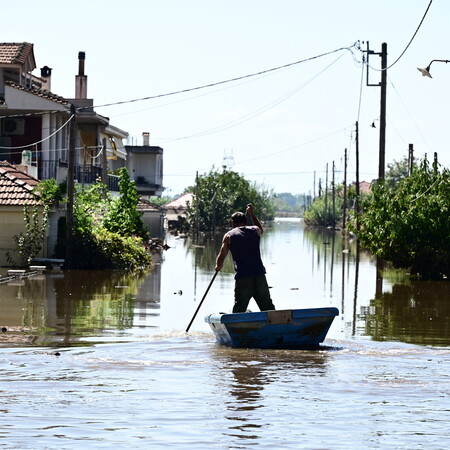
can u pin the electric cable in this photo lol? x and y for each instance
(42, 140)
(218, 83)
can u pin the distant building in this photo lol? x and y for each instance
(177, 208)
(152, 217)
(145, 165)
(365, 187)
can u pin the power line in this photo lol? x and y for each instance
(253, 114)
(409, 43)
(182, 91)
(414, 35)
(42, 140)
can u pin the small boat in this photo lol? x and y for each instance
(278, 329)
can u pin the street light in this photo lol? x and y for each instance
(426, 72)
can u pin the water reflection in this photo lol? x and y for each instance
(250, 380)
(417, 312)
(306, 268)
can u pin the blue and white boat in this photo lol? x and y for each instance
(287, 328)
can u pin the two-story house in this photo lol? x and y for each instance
(35, 129)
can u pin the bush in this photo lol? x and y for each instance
(105, 249)
(409, 226)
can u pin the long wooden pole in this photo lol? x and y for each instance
(201, 301)
(344, 213)
(357, 177)
(70, 188)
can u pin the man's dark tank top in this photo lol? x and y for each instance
(244, 247)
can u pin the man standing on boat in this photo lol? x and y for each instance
(250, 277)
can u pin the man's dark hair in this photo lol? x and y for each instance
(239, 218)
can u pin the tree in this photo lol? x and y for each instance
(408, 226)
(287, 202)
(397, 171)
(30, 243)
(219, 194)
(123, 216)
(109, 233)
(320, 212)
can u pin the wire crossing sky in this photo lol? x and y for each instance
(270, 89)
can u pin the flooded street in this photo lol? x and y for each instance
(102, 360)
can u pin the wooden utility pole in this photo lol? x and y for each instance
(410, 159)
(357, 177)
(314, 187)
(334, 198)
(382, 84)
(197, 210)
(326, 197)
(382, 154)
(70, 187)
(344, 212)
(104, 167)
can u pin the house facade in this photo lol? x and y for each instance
(145, 166)
(16, 191)
(35, 130)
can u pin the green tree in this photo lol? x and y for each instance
(219, 194)
(123, 216)
(160, 201)
(30, 243)
(320, 212)
(409, 226)
(397, 171)
(287, 202)
(109, 233)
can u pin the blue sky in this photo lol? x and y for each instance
(280, 129)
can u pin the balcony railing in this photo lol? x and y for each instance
(82, 174)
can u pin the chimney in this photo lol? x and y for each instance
(146, 138)
(81, 78)
(46, 75)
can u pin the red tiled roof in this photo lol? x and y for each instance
(39, 93)
(16, 186)
(15, 53)
(145, 205)
(180, 202)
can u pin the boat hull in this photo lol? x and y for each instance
(288, 329)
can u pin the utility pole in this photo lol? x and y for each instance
(382, 84)
(410, 159)
(344, 218)
(326, 197)
(334, 198)
(104, 167)
(357, 177)
(383, 111)
(70, 187)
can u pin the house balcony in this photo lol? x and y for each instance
(82, 174)
(149, 186)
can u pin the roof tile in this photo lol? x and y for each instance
(14, 53)
(16, 187)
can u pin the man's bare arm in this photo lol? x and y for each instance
(251, 211)
(223, 252)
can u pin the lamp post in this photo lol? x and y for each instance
(426, 72)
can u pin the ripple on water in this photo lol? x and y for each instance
(185, 390)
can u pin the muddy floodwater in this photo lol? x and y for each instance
(102, 360)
